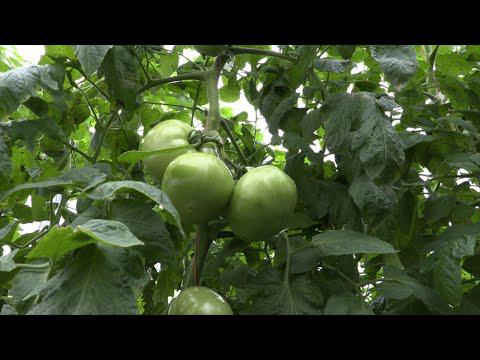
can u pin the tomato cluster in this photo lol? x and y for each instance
(202, 188)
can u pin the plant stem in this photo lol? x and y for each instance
(202, 244)
(33, 266)
(75, 85)
(86, 156)
(350, 281)
(79, 69)
(102, 138)
(243, 50)
(196, 75)
(225, 127)
(194, 107)
(213, 118)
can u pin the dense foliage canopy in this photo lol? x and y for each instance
(381, 142)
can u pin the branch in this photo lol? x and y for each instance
(79, 69)
(225, 127)
(86, 156)
(102, 138)
(242, 50)
(202, 244)
(196, 75)
(350, 281)
(75, 85)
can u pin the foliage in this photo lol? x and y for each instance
(382, 143)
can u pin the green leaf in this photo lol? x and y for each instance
(272, 296)
(400, 285)
(57, 242)
(345, 51)
(410, 140)
(306, 256)
(331, 65)
(29, 130)
(445, 261)
(25, 284)
(438, 207)
(119, 70)
(347, 304)
(16, 87)
(86, 177)
(134, 156)
(312, 121)
(341, 211)
(61, 51)
(374, 203)
(343, 242)
(398, 62)
(282, 108)
(94, 282)
(5, 162)
(147, 226)
(91, 56)
(230, 93)
(380, 149)
(6, 231)
(7, 263)
(109, 189)
(110, 232)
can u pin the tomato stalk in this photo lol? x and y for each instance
(252, 51)
(201, 245)
(194, 75)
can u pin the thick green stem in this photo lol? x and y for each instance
(234, 142)
(202, 244)
(242, 50)
(102, 138)
(213, 119)
(196, 75)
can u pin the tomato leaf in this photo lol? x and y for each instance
(91, 56)
(347, 304)
(92, 283)
(110, 232)
(133, 156)
(57, 242)
(109, 189)
(398, 62)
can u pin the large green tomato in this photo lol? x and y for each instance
(199, 300)
(167, 134)
(199, 186)
(210, 50)
(262, 201)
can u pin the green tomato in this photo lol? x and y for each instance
(262, 202)
(210, 50)
(199, 300)
(199, 186)
(167, 134)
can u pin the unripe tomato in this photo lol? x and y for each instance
(199, 186)
(167, 134)
(210, 50)
(262, 201)
(199, 300)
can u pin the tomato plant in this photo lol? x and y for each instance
(249, 179)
